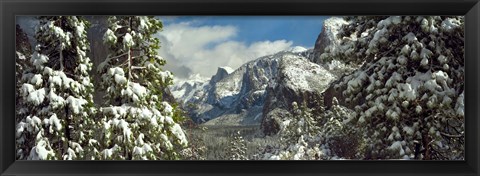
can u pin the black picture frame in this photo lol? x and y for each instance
(9, 9)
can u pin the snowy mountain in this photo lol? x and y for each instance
(232, 95)
(298, 80)
(237, 97)
(327, 39)
(188, 90)
(259, 89)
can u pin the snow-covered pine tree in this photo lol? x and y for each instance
(237, 148)
(137, 124)
(197, 149)
(409, 90)
(342, 140)
(22, 57)
(56, 94)
(299, 137)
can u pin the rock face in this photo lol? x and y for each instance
(222, 72)
(22, 43)
(298, 80)
(320, 44)
(327, 37)
(244, 87)
(261, 92)
(236, 96)
(189, 91)
(256, 92)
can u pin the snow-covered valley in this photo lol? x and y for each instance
(344, 82)
(373, 87)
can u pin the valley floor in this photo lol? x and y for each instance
(217, 140)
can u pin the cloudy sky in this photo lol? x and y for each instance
(201, 44)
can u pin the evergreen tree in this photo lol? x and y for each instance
(137, 123)
(409, 91)
(22, 58)
(56, 93)
(299, 137)
(302, 124)
(197, 149)
(342, 140)
(237, 147)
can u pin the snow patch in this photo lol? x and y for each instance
(109, 37)
(300, 73)
(36, 80)
(36, 97)
(450, 24)
(40, 152)
(55, 122)
(76, 104)
(128, 41)
(297, 49)
(227, 69)
(459, 106)
(39, 60)
(178, 133)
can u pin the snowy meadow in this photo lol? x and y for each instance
(240, 88)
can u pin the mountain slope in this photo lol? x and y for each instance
(298, 80)
(238, 97)
(399, 93)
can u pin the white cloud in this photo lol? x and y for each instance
(191, 49)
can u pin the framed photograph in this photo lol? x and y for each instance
(239, 87)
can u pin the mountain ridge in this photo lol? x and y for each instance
(238, 97)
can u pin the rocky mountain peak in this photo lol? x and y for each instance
(328, 37)
(246, 95)
(222, 72)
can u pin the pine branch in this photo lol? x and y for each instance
(107, 59)
(137, 67)
(452, 135)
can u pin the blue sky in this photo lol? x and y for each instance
(200, 44)
(298, 29)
